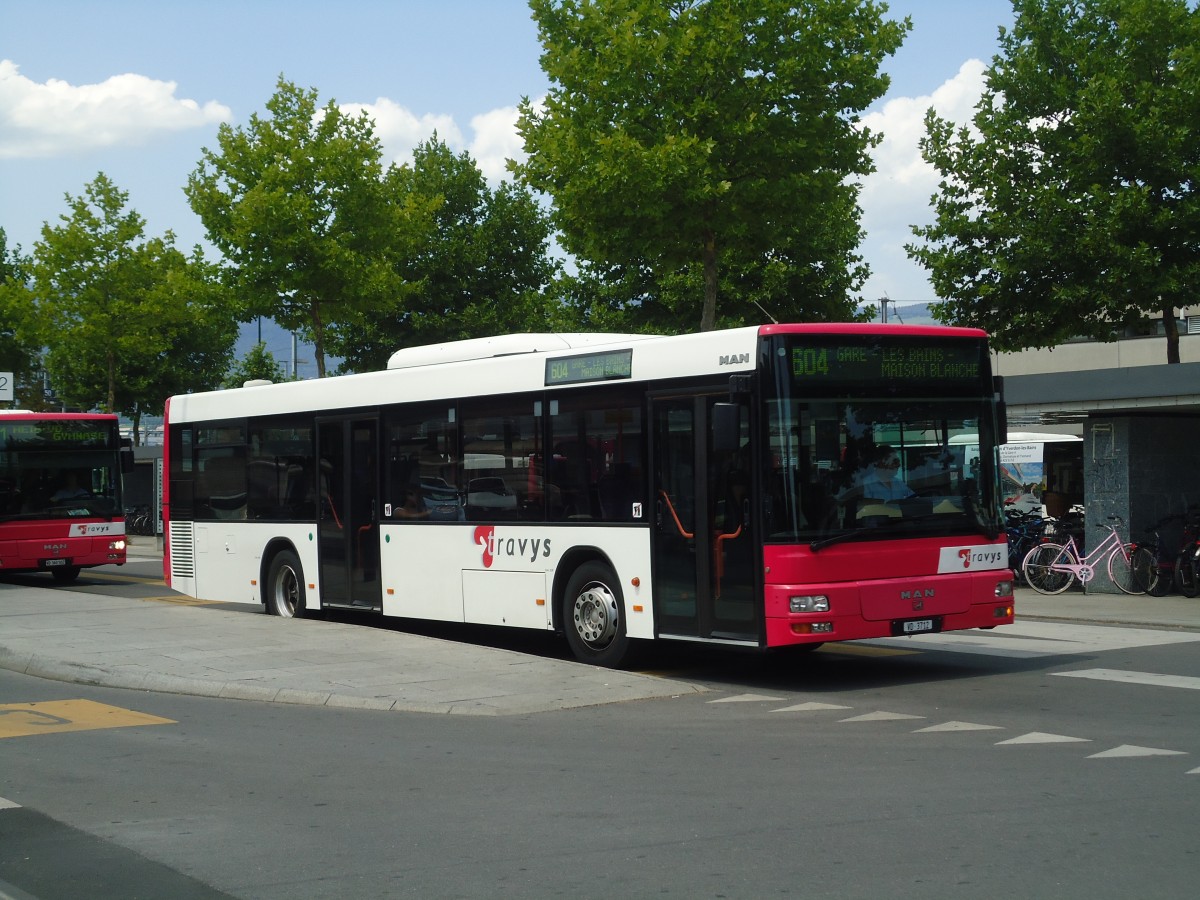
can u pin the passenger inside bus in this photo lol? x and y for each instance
(70, 489)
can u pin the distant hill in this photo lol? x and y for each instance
(913, 314)
(279, 345)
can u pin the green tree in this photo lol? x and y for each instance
(478, 266)
(258, 363)
(20, 344)
(1070, 206)
(688, 143)
(126, 321)
(298, 204)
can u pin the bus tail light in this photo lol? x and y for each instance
(809, 603)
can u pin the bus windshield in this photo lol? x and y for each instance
(55, 467)
(855, 454)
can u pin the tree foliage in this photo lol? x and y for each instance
(20, 343)
(702, 149)
(477, 263)
(298, 205)
(126, 321)
(258, 363)
(1070, 207)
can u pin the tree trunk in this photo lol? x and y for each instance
(318, 328)
(708, 316)
(1172, 328)
(112, 383)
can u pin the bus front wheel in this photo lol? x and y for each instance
(285, 586)
(66, 574)
(593, 616)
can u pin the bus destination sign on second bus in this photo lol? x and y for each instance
(590, 367)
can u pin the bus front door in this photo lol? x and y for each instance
(704, 542)
(348, 526)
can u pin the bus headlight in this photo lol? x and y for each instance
(118, 544)
(1004, 588)
(809, 603)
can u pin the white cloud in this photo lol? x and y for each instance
(494, 141)
(57, 118)
(897, 194)
(400, 130)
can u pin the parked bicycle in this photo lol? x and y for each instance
(1024, 532)
(1051, 568)
(1187, 563)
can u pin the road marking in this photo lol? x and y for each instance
(1177, 681)
(1031, 639)
(179, 600)
(1041, 737)
(810, 707)
(57, 716)
(853, 648)
(1128, 750)
(880, 716)
(8, 804)
(958, 726)
(746, 698)
(123, 579)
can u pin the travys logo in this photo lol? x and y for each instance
(969, 559)
(501, 547)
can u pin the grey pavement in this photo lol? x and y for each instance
(153, 645)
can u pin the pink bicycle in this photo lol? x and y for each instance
(1052, 568)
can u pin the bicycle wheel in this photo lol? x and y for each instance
(1121, 572)
(1185, 573)
(1039, 575)
(1144, 575)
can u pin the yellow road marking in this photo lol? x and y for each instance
(124, 579)
(57, 716)
(180, 600)
(864, 650)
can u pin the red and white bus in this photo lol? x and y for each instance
(723, 487)
(60, 492)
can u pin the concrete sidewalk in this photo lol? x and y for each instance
(90, 638)
(156, 646)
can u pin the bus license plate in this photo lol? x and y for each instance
(56, 562)
(917, 626)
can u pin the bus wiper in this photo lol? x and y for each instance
(817, 546)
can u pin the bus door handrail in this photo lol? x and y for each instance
(675, 516)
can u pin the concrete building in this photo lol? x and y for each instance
(1139, 418)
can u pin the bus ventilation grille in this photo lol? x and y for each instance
(183, 555)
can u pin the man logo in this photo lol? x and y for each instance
(734, 359)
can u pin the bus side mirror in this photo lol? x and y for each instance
(1001, 409)
(126, 455)
(726, 427)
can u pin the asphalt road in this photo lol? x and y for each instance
(1049, 760)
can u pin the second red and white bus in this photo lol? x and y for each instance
(60, 492)
(725, 487)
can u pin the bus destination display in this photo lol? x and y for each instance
(590, 367)
(956, 364)
(58, 434)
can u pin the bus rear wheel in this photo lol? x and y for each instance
(593, 616)
(285, 586)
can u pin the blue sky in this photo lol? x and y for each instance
(135, 88)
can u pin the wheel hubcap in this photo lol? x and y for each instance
(287, 592)
(596, 615)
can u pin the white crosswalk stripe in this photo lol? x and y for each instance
(1150, 678)
(1027, 639)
